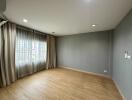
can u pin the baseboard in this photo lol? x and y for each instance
(92, 73)
(118, 88)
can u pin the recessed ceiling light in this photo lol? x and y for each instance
(93, 25)
(88, 0)
(25, 20)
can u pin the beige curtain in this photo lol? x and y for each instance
(7, 54)
(51, 52)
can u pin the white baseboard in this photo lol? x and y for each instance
(117, 86)
(92, 73)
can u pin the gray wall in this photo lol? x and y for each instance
(93, 52)
(89, 52)
(2, 6)
(122, 68)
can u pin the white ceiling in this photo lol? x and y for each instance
(66, 17)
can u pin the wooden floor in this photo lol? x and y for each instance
(61, 84)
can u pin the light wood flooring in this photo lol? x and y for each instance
(61, 84)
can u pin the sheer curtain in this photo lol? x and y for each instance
(30, 55)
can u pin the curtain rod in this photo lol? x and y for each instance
(30, 29)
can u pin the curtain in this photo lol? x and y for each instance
(23, 52)
(30, 52)
(51, 52)
(7, 54)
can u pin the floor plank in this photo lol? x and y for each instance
(61, 84)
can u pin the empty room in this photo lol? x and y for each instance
(65, 49)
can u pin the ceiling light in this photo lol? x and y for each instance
(93, 25)
(25, 20)
(88, 0)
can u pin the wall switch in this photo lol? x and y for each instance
(127, 56)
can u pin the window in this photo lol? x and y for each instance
(38, 52)
(30, 49)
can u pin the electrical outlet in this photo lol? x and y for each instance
(128, 57)
(105, 71)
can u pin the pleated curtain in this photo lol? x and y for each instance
(24, 52)
(51, 52)
(7, 54)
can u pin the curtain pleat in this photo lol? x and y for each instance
(51, 52)
(7, 54)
